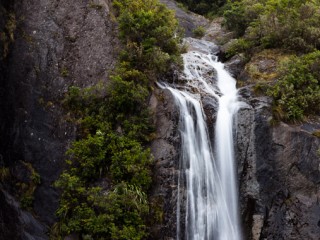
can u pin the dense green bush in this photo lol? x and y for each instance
(203, 7)
(297, 93)
(149, 31)
(96, 213)
(238, 46)
(199, 32)
(115, 129)
(288, 24)
(236, 17)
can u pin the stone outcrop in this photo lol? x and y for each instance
(279, 175)
(187, 20)
(165, 149)
(56, 44)
(16, 223)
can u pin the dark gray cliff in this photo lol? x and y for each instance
(279, 175)
(278, 164)
(57, 44)
(165, 149)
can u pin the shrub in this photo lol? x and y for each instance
(316, 133)
(199, 32)
(115, 127)
(203, 7)
(235, 17)
(297, 92)
(238, 46)
(289, 24)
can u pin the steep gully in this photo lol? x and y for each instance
(207, 173)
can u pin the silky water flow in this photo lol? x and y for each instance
(207, 173)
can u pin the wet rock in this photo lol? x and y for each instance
(201, 46)
(235, 65)
(210, 106)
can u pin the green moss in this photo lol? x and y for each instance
(263, 69)
(7, 35)
(182, 6)
(95, 6)
(27, 37)
(4, 174)
(26, 201)
(26, 189)
(157, 205)
(260, 88)
(316, 133)
(64, 72)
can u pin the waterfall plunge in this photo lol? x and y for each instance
(211, 209)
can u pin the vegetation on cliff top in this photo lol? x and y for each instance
(297, 92)
(204, 7)
(104, 189)
(290, 26)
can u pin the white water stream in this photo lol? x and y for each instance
(208, 173)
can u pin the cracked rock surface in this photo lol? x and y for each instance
(57, 44)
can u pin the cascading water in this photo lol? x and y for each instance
(211, 207)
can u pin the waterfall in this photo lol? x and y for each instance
(207, 172)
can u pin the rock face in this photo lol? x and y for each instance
(187, 20)
(279, 177)
(18, 224)
(57, 44)
(165, 149)
(279, 174)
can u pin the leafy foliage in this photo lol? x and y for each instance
(109, 166)
(199, 32)
(297, 93)
(289, 24)
(7, 32)
(204, 7)
(148, 29)
(98, 214)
